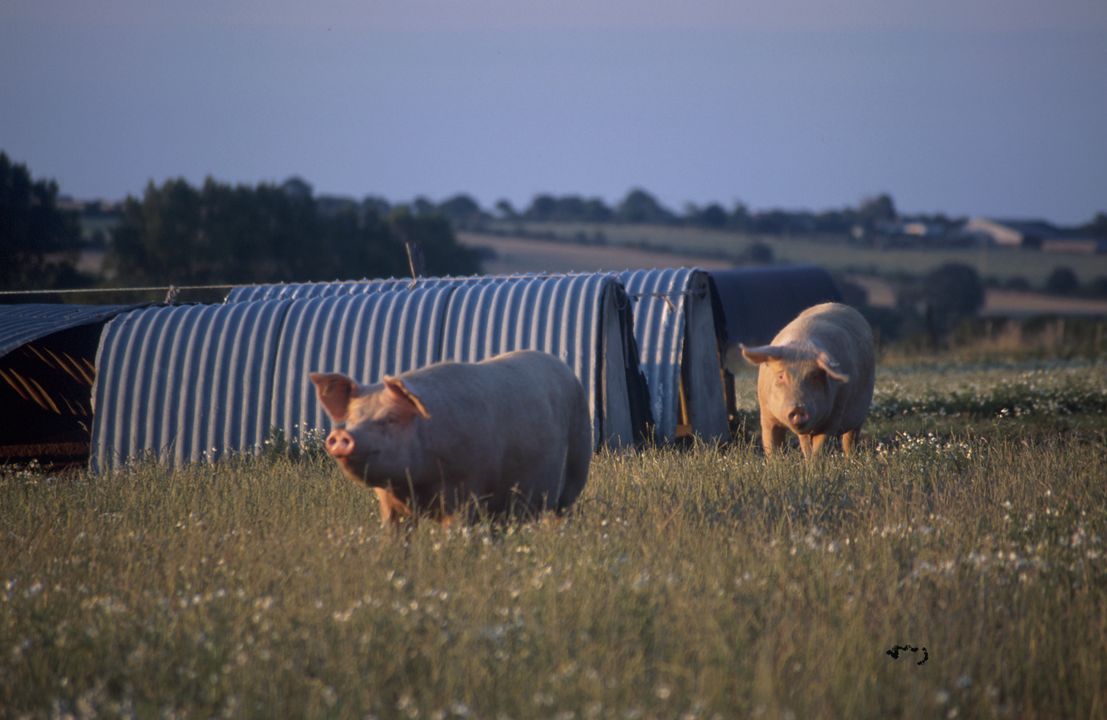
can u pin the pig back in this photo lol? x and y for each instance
(520, 407)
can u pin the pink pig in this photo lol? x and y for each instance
(816, 378)
(508, 436)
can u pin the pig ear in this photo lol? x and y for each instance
(334, 391)
(402, 394)
(831, 368)
(762, 353)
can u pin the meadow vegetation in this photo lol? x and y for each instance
(690, 583)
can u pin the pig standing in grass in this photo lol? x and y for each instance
(816, 378)
(508, 436)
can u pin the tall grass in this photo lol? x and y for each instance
(702, 583)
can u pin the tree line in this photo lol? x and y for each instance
(643, 208)
(180, 234)
(176, 233)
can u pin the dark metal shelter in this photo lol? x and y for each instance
(47, 369)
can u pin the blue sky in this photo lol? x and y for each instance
(978, 107)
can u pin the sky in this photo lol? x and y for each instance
(966, 107)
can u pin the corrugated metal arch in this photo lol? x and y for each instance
(364, 336)
(185, 383)
(190, 383)
(24, 323)
(496, 316)
(580, 319)
(675, 327)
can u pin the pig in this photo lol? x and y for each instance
(507, 437)
(815, 379)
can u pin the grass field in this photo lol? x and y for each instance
(688, 583)
(830, 252)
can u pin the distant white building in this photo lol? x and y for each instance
(1010, 233)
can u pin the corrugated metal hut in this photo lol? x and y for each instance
(675, 318)
(185, 383)
(188, 383)
(365, 336)
(47, 354)
(675, 325)
(585, 319)
(757, 302)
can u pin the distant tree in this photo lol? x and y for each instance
(38, 240)
(1098, 287)
(1097, 228)
(711, 216)
(422, 206)
(771, 222)
(434, 238)
(877, 209)
(758, 254)
(596, 211)
(218, 233)
(378, 206)
(641, 207)
(1062, 281)
(542, 208)
(462, 210)
(950, 294)
(835, 221)
(739, 217)
(567, 208)
(506, 209)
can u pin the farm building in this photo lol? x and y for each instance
(757, 303)
(188, 383)
(46, 376)
(675, 329)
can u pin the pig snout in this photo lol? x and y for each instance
(798, 417)
(340, 444)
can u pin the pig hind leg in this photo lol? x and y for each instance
(577, 460)
(849, 440)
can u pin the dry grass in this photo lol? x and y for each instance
(700, 583)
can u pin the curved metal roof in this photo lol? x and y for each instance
(758, 302)
(188, 383)
(364, 336)
(24, 323)
(674, 325)
(578, 318)
(185, 383)
(293, 291)
(663, 300)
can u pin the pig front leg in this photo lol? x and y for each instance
(812, 445)
(772, 434)
(393, 510)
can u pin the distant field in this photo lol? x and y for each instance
(833, 253)
(971, 528)
(514, 255)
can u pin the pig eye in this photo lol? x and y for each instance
(780, 377)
